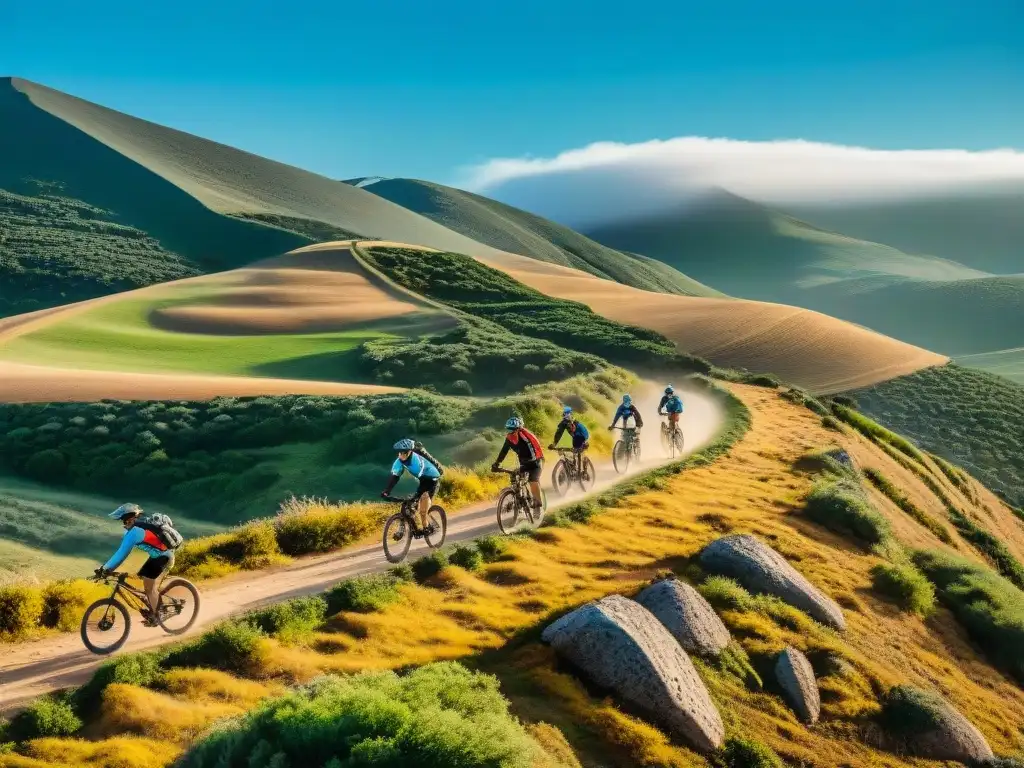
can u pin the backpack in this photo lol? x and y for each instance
(163, 527)
(674, 404)
(426, 455)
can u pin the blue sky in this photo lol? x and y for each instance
(424, 88)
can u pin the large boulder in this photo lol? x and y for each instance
(929, 726)
(687, 615)
(621, 646)
(761, 569)
(796, 677)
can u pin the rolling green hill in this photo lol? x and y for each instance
(755, 252)
(511, 229)
(1008, 363)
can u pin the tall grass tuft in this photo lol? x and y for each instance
(309, 525)
(876, 432)
(897, 497)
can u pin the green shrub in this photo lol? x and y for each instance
(725, 594)
(897, 497)
(749, 753)
(430, 565)
(840, 506)
(142, 669)
(905, 585)
(364, 594)
(46, 716)
(48, 466)
(909, 711)
(989, 607)
(290, 620)
(492, 548)
(20, 610)
(230, 646)
(325, 530)
(828, 422)
(876, 432)
(761, 380)
(64, 602)
(438, 715)
(466, 556)
(733, 660)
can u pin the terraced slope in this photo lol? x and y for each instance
(516, 231)
(752, 251)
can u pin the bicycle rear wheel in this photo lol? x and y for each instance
(105, 626)
(677, 441)
(620, 456)
(179, 606)
(588, 476)
(437, 517)
(560, 478)
(508, 511)
(397, 538)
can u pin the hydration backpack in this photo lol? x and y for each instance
(426, 455)
(163, 527)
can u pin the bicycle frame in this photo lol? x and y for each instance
(130, 596)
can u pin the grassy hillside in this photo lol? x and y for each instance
(1008, 363)
(981, 227)
(484, 606)
(752, 251)
(517, 231)
(972, 418)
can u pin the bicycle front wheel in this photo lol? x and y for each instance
(588, 476)
(677, 442)
(397, 538)
(105, 626)
(560, 478)
(438, 520)
(508, 511)
(179, 606)
(620, 457)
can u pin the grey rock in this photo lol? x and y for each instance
(952, 738)
(621, 646)
(761, 569)
(687, 615)
(795, 675)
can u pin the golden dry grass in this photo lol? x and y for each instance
(481, 617)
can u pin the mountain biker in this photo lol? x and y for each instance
(579, 432)
(160, 557)
(670, 405)
(423, 470)
(527, 448)
(625, 411)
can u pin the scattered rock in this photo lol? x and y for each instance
(795, 675)
(760, 568)
(687, 615)
(621, 646)
(929, 726)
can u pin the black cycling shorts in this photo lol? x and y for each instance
(427, 485)
(154, 567)
(532, 470)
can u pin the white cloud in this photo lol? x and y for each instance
(608, 179)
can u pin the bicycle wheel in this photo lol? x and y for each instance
(677, 439)
(560, 478)
(508, 511)
(437, 517)
(538, 514)
(666, 443)
(397, 538)
(620, 456)
(105, 626)
(636, 450)
(589, 475)
(179, 606)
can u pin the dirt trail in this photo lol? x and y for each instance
(31, 669)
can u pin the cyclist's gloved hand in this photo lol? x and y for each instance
(551, 447)
(494, 467)
(101, 571)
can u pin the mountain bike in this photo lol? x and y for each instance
(109, 619)
(626, 449)
(672, 439)
(403, 526)
(572, 467)
(515, 503)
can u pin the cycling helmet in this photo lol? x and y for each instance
(513, 424)
(405, 445)
(669, 389)
(566, 412)
(627, 400)
(126, 510)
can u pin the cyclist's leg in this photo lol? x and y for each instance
(425, 492)
(533, 472)
(152, 573)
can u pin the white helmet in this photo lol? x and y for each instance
(126, 510)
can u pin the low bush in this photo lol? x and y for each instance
(840, 506)
(905, 585)
(306, 526)
(989, 607)
(897, 497)
(492, 548)
(734, 660)
(248, 547)
(761, 380)
(748, 753)
(725, 594)
(466, 556)
(232, 646)
(64, 602)
(875, 432)
(438, 715)
(430, 565)
(20, 609)
(829, 422)
(141, 669)
(46, 716)
(291, 620)
(364, 594)
(801, 397)
(908, 711)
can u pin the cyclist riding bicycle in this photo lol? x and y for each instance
(161, 558)
(579, 432)
(527, 449)
(671, 406)
(626, 411)
(426, 471)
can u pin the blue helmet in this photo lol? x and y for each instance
(669, 389)
(627, 400)
(126, 510)
(566, 412)
(405, 444)
(513, 424)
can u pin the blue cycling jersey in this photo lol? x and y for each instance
(416, 466)
(133, 537)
